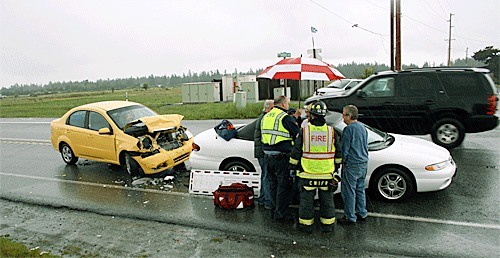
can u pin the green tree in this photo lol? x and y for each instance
(367, 72)
(490, 57)
(145, 86)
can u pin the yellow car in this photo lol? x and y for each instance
(122, 133)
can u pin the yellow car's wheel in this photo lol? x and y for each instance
(67, 154)
(133, 169)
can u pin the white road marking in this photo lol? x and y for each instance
(370, 214)
(430, 220)
(23, 122)
(23, 140)
(96, 184)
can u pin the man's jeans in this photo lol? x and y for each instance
(264, 196)
(353, 190)
(279, 184)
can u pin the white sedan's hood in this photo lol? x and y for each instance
(420, 147)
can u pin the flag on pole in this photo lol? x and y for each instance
(313, 30)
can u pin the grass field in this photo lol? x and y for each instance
(10, 248)
(163, 101)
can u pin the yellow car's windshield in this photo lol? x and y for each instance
(123, 116)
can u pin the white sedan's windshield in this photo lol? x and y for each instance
(340, 84)
(374, 135)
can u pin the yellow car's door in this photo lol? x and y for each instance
(100, 146)
(76, 133)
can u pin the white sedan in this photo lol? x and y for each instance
(338, 87)
(398, 165)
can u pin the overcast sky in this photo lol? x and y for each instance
(75, 40)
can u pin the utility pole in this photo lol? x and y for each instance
(449, 41)
(392, 34)
(398, 35)
(466, 55)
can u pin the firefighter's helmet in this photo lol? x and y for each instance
(318, 108)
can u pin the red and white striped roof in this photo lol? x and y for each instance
(301, 68)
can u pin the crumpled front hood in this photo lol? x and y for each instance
(161, 122)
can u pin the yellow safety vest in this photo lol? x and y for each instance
(272, 128)
(318, 152)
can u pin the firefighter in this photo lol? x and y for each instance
(317, 155)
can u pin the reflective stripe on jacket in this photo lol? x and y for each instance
(272, 128)
(318, 152)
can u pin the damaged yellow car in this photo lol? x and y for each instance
(122, 133)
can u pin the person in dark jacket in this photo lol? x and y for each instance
(264, 196)
(279, 130)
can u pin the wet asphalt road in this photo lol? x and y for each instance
(463, 220)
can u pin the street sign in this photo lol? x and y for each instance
(284, 54)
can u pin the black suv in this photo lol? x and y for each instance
(445, 102)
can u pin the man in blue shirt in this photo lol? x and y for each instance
(354, 167)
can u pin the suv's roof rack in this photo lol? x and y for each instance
(453, 68)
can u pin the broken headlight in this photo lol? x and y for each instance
(145, 142)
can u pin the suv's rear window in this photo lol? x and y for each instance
(414, 85)
(462, 84)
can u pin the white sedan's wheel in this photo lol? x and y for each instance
(392, 185)
(237, 166)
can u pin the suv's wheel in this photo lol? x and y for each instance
(237, 165)
(392, 185)
(448, 132)
(68, 155)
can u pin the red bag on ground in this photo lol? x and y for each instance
(234, 196)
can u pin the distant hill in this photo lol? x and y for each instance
(352, 70)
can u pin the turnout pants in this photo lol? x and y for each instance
(307, 189)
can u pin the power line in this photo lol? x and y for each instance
(403, 16)
(382, 39)
(370, 2)
(415, 20)
(442, 31)
(431, 11)
(353, 25)
(442, 9)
